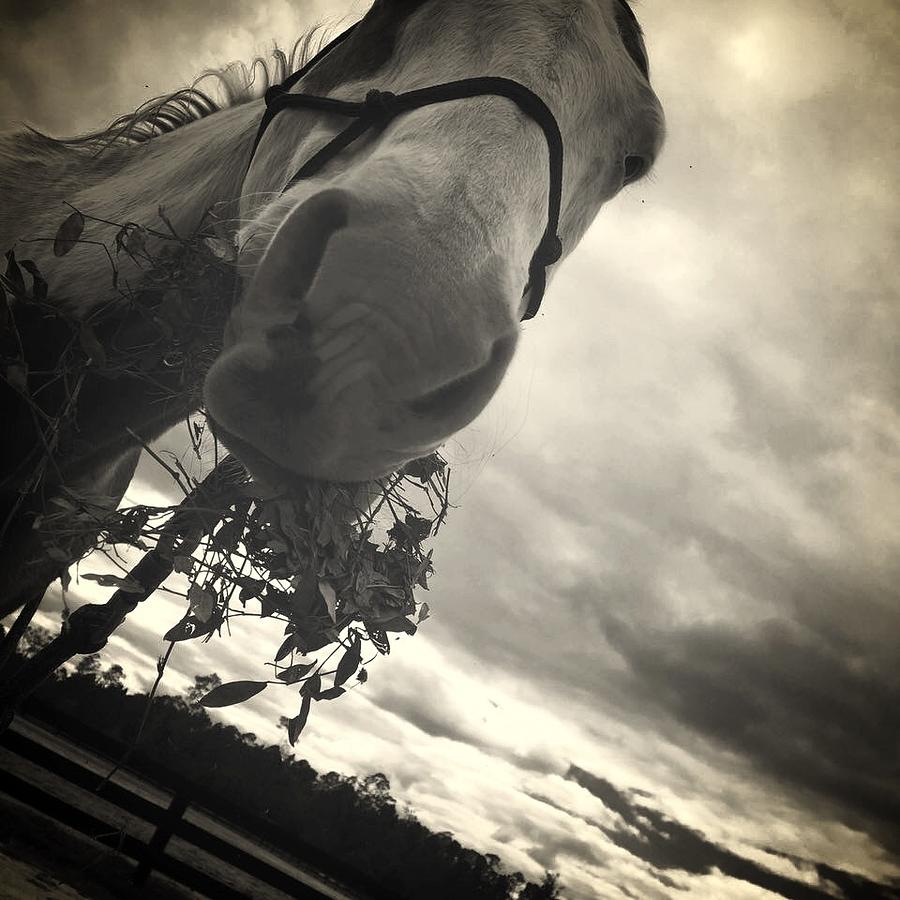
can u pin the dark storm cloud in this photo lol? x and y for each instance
(22, 14)
(435, 719)
(768, 420)
(810, 697)
(444, 715)
(799, 710)
(547, 853)
(853, 887)
(668, 845)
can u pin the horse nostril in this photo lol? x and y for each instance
(634, 166)
(472, 388)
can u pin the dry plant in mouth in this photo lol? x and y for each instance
(337, 564)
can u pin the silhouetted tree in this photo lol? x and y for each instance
(202, 685)
(88, 665)
(548, 889)
(113, 677)
(35, 638)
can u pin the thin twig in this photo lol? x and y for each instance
(157, 458)
(132, 745)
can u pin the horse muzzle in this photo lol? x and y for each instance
(359, 344)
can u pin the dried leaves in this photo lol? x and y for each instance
(349, 661)
(231, 693)
(127, 584)
(68, 234)
(337, 564)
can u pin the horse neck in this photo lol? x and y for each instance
(184, 172)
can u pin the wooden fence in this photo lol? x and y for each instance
(320, 875)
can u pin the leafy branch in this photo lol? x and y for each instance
(337, 564)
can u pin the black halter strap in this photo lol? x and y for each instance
(380, 107)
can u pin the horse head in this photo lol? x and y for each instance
(381, 297)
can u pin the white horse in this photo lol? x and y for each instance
(382, 296)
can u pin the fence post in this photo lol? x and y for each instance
(157, 845)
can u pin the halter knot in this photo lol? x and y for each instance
(550, 249)
(379, 106)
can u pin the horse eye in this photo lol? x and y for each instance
(634, 167)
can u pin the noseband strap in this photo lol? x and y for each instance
(381, 107)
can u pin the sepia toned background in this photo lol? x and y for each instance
(668, 603)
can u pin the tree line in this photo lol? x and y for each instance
(348, 818)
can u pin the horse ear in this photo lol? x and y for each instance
(291, 261)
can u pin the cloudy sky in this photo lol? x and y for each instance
(664, 658)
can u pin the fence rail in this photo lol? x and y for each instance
(167, 820)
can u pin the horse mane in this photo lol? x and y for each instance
(238, 83)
